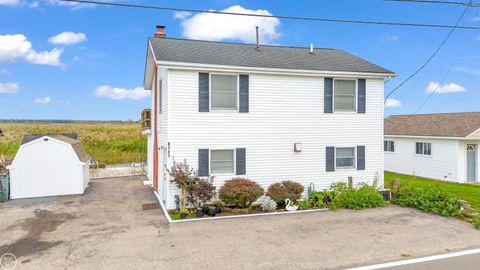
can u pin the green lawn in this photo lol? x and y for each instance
(467, 192)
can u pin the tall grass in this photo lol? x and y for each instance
(106, 142)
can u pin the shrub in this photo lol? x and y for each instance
(318, 199)
(183, 177)
(476, 222)
(268, 205)
(341, 196)
(240, 192)
(279, 192)
(364, 197)
(428, 199)
(199, 191)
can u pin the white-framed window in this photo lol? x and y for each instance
(344, 95)
(222, 161)
(223, 92)
(423, 148)
(389, 146)
(345, 158)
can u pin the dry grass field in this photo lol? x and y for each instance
(107, 142)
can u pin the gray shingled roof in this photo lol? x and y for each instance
(245, 55)
(442, 124)
(69, 138)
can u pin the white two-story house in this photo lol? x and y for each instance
(266, 113)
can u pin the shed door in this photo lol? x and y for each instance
(472, 162)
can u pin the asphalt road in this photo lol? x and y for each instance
(467, 262)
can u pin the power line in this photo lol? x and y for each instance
(275, 16)
(431, 57)
(470, 3)
(443, 78)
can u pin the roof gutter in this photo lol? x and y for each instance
(426, 137)
(277, 71)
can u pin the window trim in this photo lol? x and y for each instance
(220, 149)
(354, 167)
(210, 92)
(159, 98)
(355, 99)
(422, 154)
(386, 150)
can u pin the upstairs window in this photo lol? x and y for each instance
(345, 158)
(423, 148)
(222, 161)
(389, 146)
(224, 92)
(344, 95)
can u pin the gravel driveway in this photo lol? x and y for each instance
(107, 229)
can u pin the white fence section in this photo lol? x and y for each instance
(116, 170)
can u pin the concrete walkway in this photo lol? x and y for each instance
(107, 229)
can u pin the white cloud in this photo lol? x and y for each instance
(181, 15)
(391, 38)
(116, 93)
(10, 2)
(17, 47)
(4, 71)
(9, 88)
(43, 100)
(467, 70)
(208, 26)
(445, 88)
(393, 103)
(67, 38)
(76, 5)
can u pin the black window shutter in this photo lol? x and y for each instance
(244, 88)
(328, 95)
(330, 159)
(241, 161)
(361, 158)
(203, 92)
(362, 96)
(203, 163)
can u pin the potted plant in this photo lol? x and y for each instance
(184, 214)
(211, 211)
(218, 206)
(199, 213)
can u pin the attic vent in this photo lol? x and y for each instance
(45, 139)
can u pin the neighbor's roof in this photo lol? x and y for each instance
(246, 55)
(69, 138)
(441, 125)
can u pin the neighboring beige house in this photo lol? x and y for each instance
(439, 146)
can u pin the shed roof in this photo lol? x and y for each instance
(441, 125)
(69, 138)
(246, 55)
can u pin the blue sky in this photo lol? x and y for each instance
(94, 70)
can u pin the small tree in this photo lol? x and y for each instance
(183, 177)
(200, 191)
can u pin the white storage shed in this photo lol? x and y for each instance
(49, 165)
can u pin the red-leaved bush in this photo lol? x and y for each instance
(285, 190)
(240, 192)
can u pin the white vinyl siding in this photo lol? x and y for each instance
(224, 92)
(423, 148)
(444, 164)
(344, 95)
(389, 146)
(222, 161)
(283, 110)
(345, 158)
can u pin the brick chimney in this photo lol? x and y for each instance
(160, 33)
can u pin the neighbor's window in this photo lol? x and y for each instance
(389, 146)
(344, 95)
(221, 161)
(345, 158)
(424, 148)
(224, 90)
